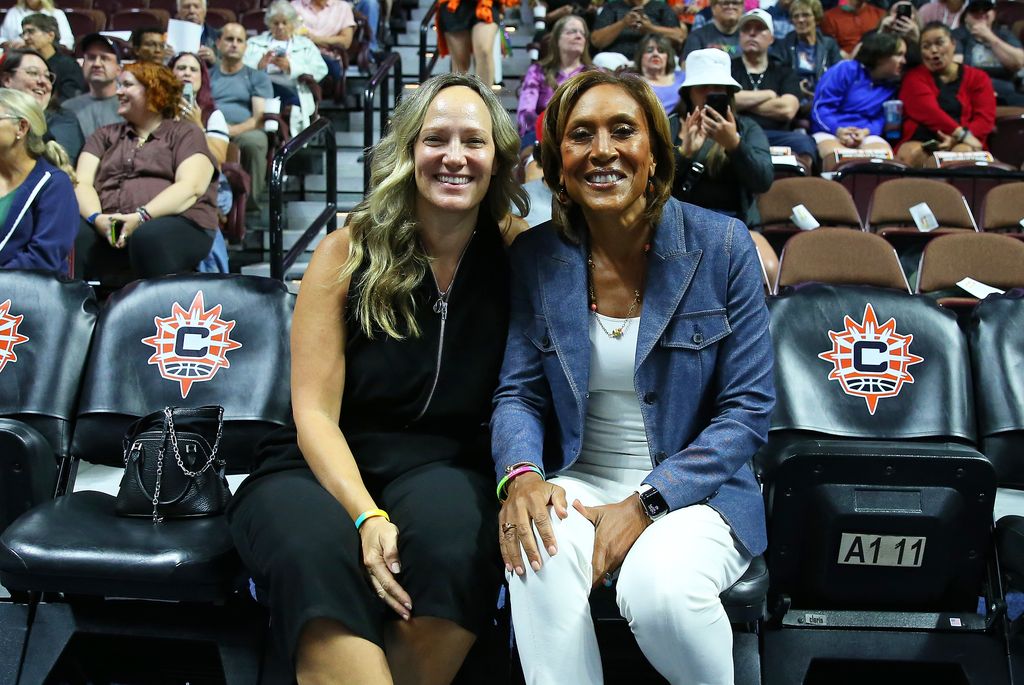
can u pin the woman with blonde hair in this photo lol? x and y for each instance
(38, 210)
(368, 526)
(10, 31)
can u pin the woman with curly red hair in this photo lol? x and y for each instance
(146, 187)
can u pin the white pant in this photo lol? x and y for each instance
(667, 589)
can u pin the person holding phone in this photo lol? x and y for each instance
(808, 51)
(146, 187)
(622, 24)
(722, 160)
(903, 21)
(197, 103)
(197, 106)
(946, 105)
(285, 55)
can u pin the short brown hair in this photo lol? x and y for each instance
(812, 6)
(163, 89)
(568, 219)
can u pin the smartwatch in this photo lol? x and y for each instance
(653, 503)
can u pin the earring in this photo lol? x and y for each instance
(563, 196)
(650, 187)
(17, 137)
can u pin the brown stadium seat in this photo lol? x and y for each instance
(769, 260)
(1003, 208)
(995, 260)
(829, 202)
(842, 257)
(131, 19)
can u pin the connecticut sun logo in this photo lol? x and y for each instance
(869, 360)
(191, 346)
(9, 336)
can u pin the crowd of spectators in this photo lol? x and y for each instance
(806, 75)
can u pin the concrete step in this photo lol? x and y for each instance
(292, 276)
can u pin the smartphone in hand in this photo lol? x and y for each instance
(718, 102)
(115, 230)
(188, 92)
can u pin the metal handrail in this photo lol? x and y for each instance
(280, 262)
(379, 80)
(425, 25)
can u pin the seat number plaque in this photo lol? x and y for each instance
(866, 549)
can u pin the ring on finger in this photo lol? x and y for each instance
(507, 526)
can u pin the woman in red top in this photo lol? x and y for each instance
(946, 106)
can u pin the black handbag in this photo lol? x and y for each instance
(170, 470)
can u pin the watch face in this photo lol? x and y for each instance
(654, 503)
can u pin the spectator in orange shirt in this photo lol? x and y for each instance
(848, 23)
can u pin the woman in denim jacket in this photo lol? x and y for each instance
(639, 336)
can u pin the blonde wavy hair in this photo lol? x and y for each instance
(383, 228)
(24, 106)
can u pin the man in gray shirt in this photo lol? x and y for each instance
(101, 65)
(240, 92)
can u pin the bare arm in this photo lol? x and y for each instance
(1010, 57)
(781, 108)
(218, 148)
(253, 122)
(191, 179)
(85, 192)
(749, 99)
(341, 40)
(318, 383)
(603, 37)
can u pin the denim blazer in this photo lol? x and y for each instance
(703, 369)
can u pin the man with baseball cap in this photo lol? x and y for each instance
(993, 49)
(101, 64)
(770, 92)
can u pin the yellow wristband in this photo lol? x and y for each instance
(372, 513)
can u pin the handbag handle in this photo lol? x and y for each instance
(169, 422)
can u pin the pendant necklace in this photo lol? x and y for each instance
(617, 332)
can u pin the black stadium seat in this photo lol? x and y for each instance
(184, 341)
(879, 507)
(995, 332)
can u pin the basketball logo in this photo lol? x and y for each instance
(870, 360)
(191, 345)
(9, 336)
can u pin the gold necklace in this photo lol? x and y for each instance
(619, 331)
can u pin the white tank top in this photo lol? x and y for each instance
(613, 431)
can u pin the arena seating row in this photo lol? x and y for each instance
(882, 405)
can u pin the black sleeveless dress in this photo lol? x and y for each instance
(415, 414)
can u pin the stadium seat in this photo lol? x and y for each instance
(890, 217)
(993, 259)
(827, 201)
(1003, 208)
(879, 507)
(218, 16)
(84, 21)
(169, 6)
(241, 185)
(46, 324)
(132, 19)
(178, 341)
(1006, 143)
(994, 334)
(839, 256)
(769, 260)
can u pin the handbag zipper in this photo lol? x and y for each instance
(441, 307)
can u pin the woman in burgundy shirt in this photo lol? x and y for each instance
(946, 106)
(145, 187)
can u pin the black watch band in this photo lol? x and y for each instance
(653, 503)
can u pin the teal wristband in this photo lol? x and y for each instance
(371, 514)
